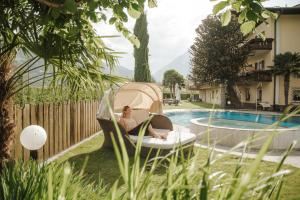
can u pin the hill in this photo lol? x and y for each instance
(180, 64)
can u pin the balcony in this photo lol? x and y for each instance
(256, 76)
(258, 45)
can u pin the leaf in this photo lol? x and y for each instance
(226, 18)
(251, 16)
(219, 6)
(241, 17)
(134, 13)
(55, 13)
(262, 35)
(70, 5)
(256, 6)
(134, 40)
(265, 14)
(92, 4)
(247, 27)
(112, 20)
(237, 6)
(152, 3)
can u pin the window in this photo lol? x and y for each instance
(296, 76)
(247, 94)
(296, 95)
(262, 64)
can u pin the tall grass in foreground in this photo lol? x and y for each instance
(31, 181)
(181, 177)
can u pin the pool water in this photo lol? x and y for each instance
(233, 119)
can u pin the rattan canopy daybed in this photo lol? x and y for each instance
(146, 101)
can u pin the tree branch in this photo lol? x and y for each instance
(51, 4)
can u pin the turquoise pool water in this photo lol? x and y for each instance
(232, 119)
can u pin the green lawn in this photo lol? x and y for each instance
(190, 105)
(102, 164)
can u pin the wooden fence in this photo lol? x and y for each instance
(66, 124)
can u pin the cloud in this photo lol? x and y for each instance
(171, 27)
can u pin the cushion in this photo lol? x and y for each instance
(174, 139)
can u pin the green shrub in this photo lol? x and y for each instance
(31, 181)
(35, 95)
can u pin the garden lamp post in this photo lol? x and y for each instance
(33, 137)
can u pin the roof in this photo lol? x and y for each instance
(286, 10)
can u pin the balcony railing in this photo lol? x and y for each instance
(260, 44)
(256, 76)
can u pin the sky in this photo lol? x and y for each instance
(171, 27)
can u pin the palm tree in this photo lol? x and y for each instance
(287, 64)
(61, 35)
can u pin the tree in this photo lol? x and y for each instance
(218, 54)
(171, 77)
(287, 64)
(141, 54)
(60, 34)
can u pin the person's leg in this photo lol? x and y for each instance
(138, 128)
(155, 134)
(148, 130)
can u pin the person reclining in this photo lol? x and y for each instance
(133, 128)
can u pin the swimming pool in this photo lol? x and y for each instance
(232, 119)
(230, 128)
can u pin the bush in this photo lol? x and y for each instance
(184, 96)
(184, 177)
(31, 181)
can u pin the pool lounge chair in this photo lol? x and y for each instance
(149, 145)
(264, 105)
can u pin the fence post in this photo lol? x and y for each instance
(46, 127)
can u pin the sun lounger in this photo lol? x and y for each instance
(264, 105)
(149, 144)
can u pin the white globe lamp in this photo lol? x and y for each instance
(33, 137)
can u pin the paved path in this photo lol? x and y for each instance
(274, 156)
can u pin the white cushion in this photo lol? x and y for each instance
(174, 139)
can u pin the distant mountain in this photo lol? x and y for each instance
(180, 64)
(121, 71)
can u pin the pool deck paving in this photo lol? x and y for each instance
(272, 156)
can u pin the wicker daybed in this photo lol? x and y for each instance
(149, 145)
(143, 98)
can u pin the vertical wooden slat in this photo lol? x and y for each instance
(33, 119)
(51, 130)
(60, 131)
(87, 119)
(94, 116)
(65, 139)
(73, 124)
(97, 124)
(18, 129)
(91, 117)
(87, 128)
(39, 112)
(81, 117)
(84, 120)
(56, 129)
(26, 122)
(78, 122)
(46, 127)
(95, 121)
(68, 124)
